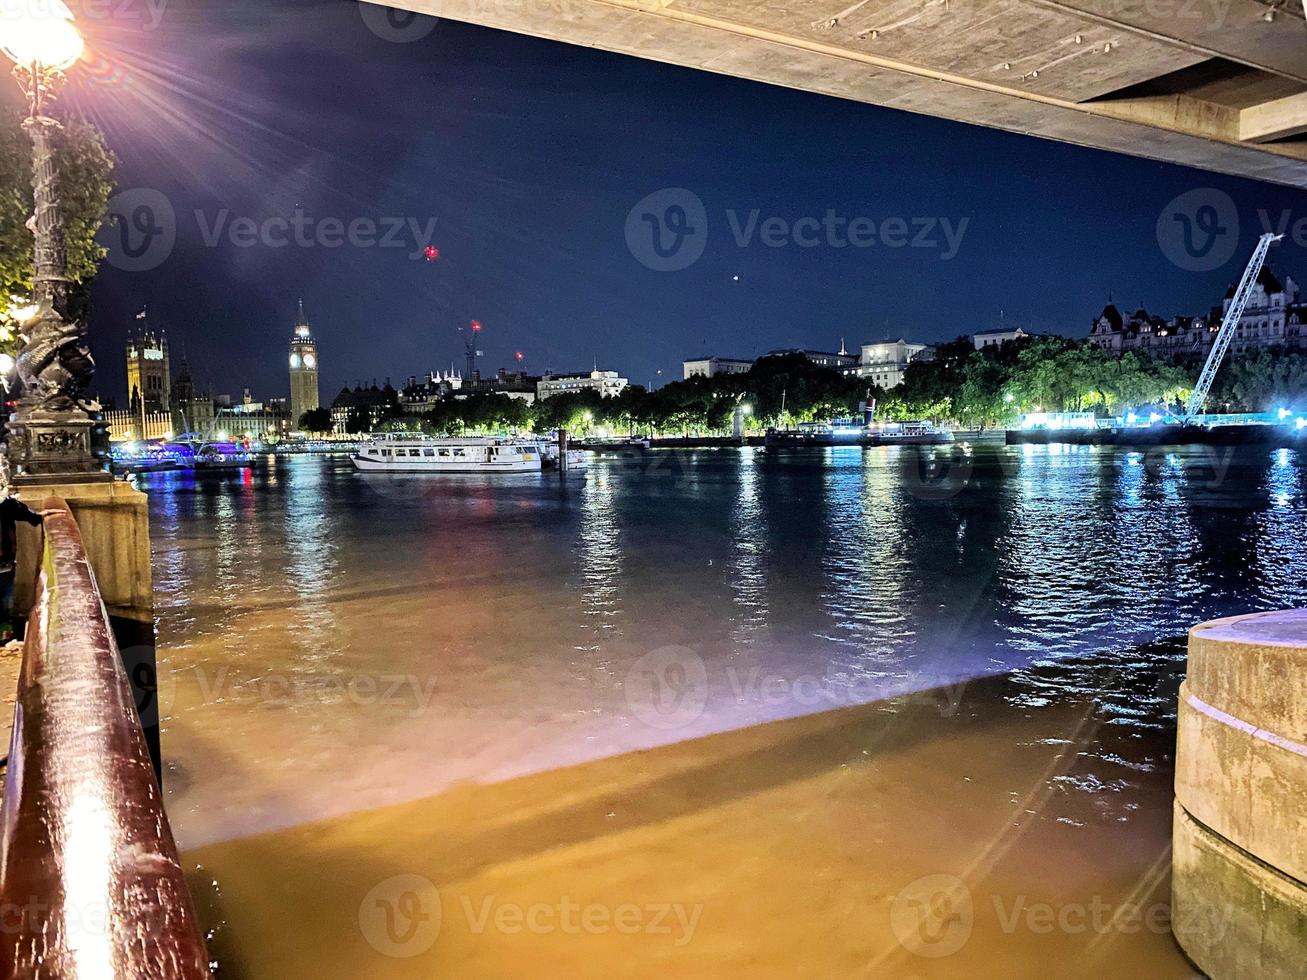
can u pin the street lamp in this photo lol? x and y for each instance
(50, 434)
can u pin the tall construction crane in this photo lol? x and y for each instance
(470, 348)
(1228, 326)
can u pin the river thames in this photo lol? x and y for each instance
(740, 712)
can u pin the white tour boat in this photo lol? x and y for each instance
(577, 459)
(407, 454)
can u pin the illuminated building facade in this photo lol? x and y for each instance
(149, 383)
(303, 370)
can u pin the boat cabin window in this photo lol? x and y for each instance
(428, 452)
(459, 452)
(444, 453)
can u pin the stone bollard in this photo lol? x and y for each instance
(1239, 859)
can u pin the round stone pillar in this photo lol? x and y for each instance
(1239, 862)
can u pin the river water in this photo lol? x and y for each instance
(846, 712)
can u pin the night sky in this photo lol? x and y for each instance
(529, 156)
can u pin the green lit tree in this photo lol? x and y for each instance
(85, 167)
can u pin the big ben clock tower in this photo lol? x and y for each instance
(303, 371)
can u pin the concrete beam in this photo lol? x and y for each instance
(1236, 30)
(951, 68)
(1274, 120)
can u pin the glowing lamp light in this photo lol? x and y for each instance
(40, 33)
(746, 409)
(22, 313)
(1301, 423)
(1284, 414)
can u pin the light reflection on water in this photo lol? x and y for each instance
(747, 566)
(523, 602)
(599, 560)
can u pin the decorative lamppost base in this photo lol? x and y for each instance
(49, 447)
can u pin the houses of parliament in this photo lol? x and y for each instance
(160, 406)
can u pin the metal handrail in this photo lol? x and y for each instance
(90, 879)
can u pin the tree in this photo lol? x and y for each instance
(315, 420)
(85, 167)
(358, 422)
(1261, 380)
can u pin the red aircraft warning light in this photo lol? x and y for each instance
(431, 252)
(476, 326)
(520, 357)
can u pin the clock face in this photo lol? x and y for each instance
(310, 361)
(294, 360)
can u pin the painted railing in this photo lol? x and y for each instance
(90, 880)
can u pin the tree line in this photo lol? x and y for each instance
(960, 385)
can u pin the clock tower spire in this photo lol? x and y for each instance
(303, 370)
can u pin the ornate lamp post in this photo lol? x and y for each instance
(50, 434)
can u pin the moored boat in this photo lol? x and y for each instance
(855, 433)
(222, 456)
(151, 458)
(409, 454)
(577, 459)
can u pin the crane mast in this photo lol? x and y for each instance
(1228, 326)
(470, 351)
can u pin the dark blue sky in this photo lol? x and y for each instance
(530, 155)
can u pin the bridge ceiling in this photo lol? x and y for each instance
(1215, 84)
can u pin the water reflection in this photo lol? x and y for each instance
(865, 565)
(856, 573)
(598, 552)
(312, 539)
(1280, 533)
(747, 564)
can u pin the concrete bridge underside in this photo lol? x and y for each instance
(1216, 84)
